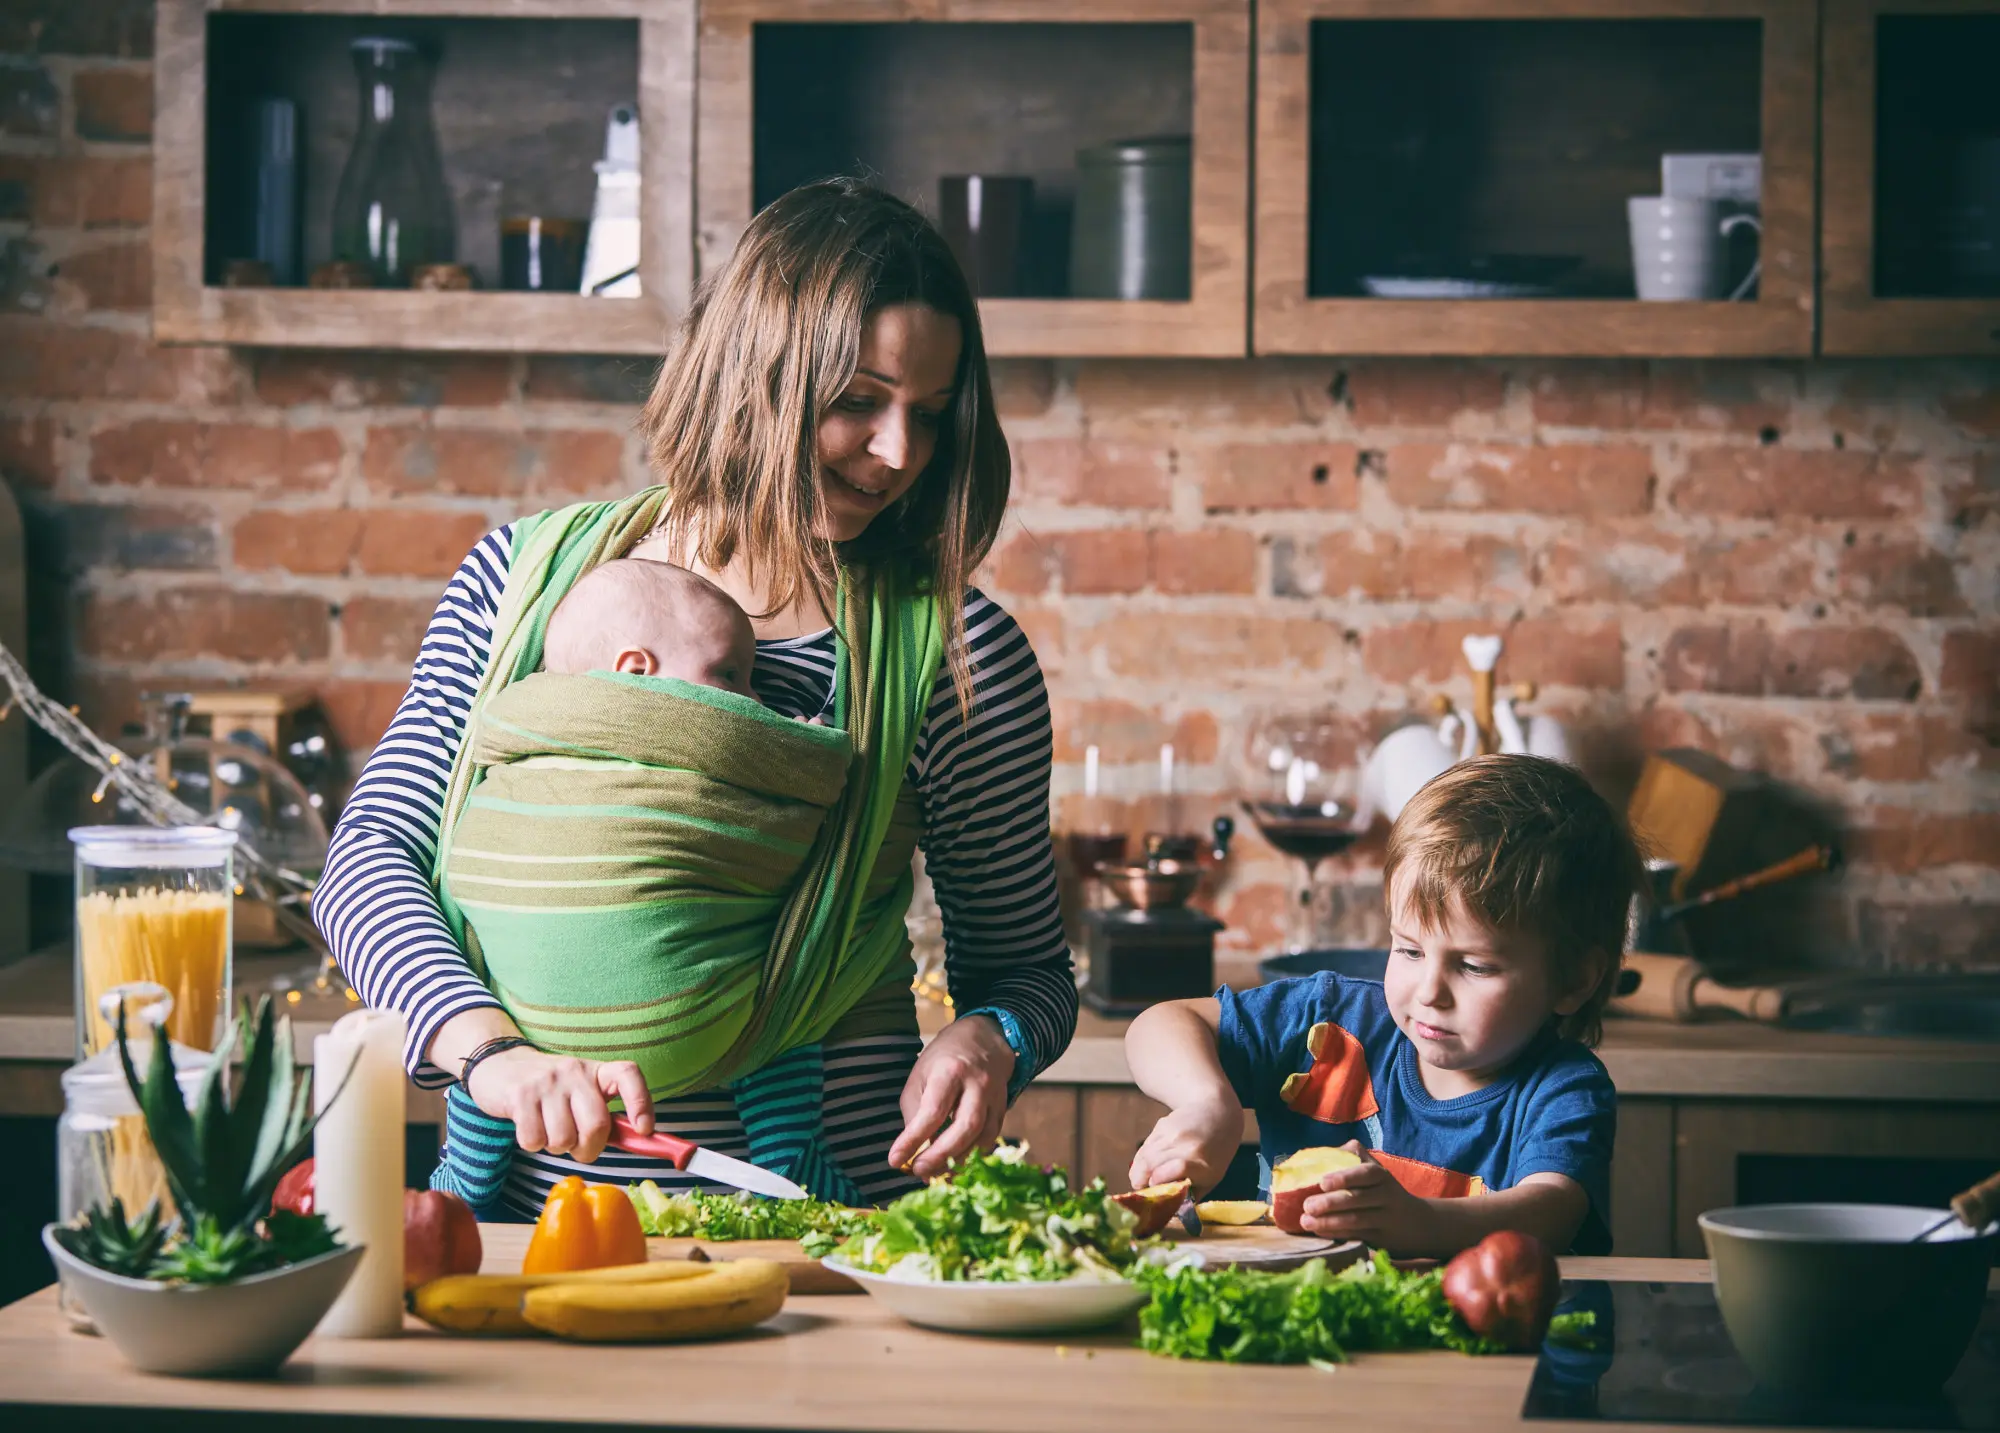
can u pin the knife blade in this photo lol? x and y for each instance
(691, 1158)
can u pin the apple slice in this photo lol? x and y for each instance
(1233, 1211)
(1155, 1205)
(1297, 1176)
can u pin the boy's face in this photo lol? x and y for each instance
(1469, 998)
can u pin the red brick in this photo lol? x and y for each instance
(1810, 662)
(317, 541)
(398, 542)
(120, 28)
(1977, 413)
(1161, 646)
(1128, 732)
(580, 463)
(175, 453)
(206, 622)
(1754, 571)
(1022, 387)
(1658, 395)
(1090, 472)
(1256, 915)
(28, 452)
(1194, 392)
(1087, 563)
(1904, 746)
(1971, 665)
(1972, 496)
(1421, 392)
(1896, 839)
(1786, 482)
(362, 380)
(119, 276)
(384, 629)
(1896, 572)
(1426, 566)
(92, 192)
(114, 104)
(30, 104)
(1261, 477)
(48, 360)
(1549, 651)
(1631, 564)
(1908, 934)
(1213, 560)
(464, 461)
(132, 536)
(1594, 481)
(589, 378)
(359, 711)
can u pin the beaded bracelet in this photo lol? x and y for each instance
(485, 1048)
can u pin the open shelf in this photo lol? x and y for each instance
(1451, 176)
(1911, 145)
(520, 97)
(904, 92)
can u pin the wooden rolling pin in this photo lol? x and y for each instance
(1675, 987)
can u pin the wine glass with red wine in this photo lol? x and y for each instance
(1299, 789)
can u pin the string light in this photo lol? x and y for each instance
(98, 795)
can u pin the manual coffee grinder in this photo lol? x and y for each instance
(1149, 946)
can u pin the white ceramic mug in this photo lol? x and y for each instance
(1678, 251)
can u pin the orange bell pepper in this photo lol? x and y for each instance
(584, 1226)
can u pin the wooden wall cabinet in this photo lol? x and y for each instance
(1910, 208)
(909, 90)
(1401, 139)
(641, 49)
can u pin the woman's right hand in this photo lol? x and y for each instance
(559, 1103)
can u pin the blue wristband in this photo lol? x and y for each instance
(1026, 1063)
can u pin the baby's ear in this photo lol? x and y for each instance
(1590, 970)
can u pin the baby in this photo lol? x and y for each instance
(1464, 1071)
(651, 619)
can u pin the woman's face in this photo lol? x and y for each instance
(880, 433)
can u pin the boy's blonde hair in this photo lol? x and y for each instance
(1528, 846)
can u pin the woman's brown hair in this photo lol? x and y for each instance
(1525, 844)
(768, 344)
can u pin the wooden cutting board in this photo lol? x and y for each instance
(504, 1245)
(1265, 1246)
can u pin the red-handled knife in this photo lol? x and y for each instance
(686, 1155)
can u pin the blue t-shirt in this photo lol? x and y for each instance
(1321, 1061)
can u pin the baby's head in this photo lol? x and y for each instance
(1509, 881)
(652, 619)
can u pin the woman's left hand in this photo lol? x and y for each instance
(956, 1096)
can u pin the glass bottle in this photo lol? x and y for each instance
(392, 211)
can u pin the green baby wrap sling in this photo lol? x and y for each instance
(641, 869)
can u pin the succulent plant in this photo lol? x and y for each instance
(114, 1243)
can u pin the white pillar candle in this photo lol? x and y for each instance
(1167, 769)
(358, 1165)
(1090, 771)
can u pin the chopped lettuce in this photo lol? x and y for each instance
(723, 1217)
(1310, 1315)
(1000, 1219)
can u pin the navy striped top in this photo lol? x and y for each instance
(982, 783)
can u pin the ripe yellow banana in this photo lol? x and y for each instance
(728, 1298)
(491, 1303)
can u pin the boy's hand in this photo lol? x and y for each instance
(1194, 1142)
(1366, 1202)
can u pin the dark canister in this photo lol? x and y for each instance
(1134, 215)
(984, 218)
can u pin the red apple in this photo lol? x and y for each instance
(1296, 1178)
(1505, 1288)
(440, 1237)
(1154, 1205)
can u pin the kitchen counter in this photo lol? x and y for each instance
(825, 1363)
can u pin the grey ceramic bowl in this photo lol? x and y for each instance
(1834, 1298)
(248, 1327)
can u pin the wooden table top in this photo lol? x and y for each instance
(825, 1363)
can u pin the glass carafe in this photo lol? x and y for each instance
(392, 211)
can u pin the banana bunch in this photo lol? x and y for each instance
(625, 1303)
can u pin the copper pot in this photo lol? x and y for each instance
(1153, 886)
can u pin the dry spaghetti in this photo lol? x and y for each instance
(177, 939)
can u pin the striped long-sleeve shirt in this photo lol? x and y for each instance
(982, 784)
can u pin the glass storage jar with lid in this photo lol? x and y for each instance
(102, 1149)
(154, 904)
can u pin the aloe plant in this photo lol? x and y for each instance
(111, 1241)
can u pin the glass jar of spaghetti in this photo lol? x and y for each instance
(154, 905)
(102, 1149)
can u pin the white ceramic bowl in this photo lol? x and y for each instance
(984, 1307)
(246, 1327)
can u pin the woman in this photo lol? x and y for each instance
(826, 410)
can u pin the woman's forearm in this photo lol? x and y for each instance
(465, 1032)
(1171, 1049)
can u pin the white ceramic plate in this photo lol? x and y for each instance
(998, 1308)
(1387, 286)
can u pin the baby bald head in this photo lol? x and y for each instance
(653, 619)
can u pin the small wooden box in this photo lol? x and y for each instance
(1138, 958)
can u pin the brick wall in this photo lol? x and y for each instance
(1793, 565)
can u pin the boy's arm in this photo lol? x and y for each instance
(1366, 1202)
(1172, 1051)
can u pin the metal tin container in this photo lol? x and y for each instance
(1133, 229)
